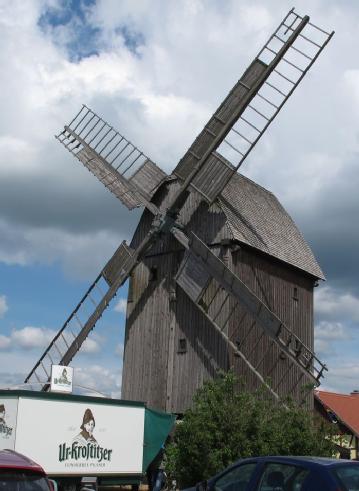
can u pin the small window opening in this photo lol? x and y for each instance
(297, 346)
(182, 345)
(295, 293)
(153, 273)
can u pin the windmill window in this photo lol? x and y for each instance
(182, 345)
(295, 293)
(297, 346)
(153, 273)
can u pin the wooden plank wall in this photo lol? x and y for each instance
(159, 315)
(147, 334)
(275, 284)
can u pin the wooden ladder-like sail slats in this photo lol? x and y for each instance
(220, 122)
(126, 171)
(253, 103)
(74, 332)
(201, 266)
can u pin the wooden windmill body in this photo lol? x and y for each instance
(170, 345)
(219, 274)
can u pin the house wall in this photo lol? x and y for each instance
(344, 437)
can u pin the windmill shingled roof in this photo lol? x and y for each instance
(344, 406)
(255, 217)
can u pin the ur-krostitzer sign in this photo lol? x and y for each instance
(75, 436)
(84, 448)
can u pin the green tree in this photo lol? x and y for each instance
(226, 424)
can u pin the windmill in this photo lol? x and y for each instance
(204, 274)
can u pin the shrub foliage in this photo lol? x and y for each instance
(226, 424)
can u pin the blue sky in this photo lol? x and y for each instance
(156, 71)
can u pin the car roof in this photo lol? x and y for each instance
(326, 461)
(13, 460)
(309, 461)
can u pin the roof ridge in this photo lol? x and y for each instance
(334, 393)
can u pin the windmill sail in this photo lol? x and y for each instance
(253, 103)
(208, 165)
(201, 268)
(83, 318)
(115, 161)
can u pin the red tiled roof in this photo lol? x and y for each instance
(344, 406)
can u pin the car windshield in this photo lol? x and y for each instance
(22, 481)
(348, 477)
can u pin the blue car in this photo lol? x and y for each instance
(285, 474)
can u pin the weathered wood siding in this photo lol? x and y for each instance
(160, 317)
(171, 348)
(289, 294)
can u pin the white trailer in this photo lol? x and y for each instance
(123, 437)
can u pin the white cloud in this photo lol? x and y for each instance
(4, 342)
(99, 378)
(11, 380)
(3, 305)
(327, 335)
(343, 377)
(83, 255)
(336, 305)
(351, 80)
(32, 337)
(332, 331)
(92, 344)
(121, 306)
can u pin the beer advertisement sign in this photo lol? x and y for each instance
(70, 437)
(61, 378)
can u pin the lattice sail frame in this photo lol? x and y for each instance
(113, 159)
(253, 103)
(83, 318)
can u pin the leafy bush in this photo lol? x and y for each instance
(226, 424)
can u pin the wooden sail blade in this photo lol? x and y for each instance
(79, 324)
(194, 280)
(221, 121)
(201, 266)
(82, 320)
(115, 161)
(250, 107)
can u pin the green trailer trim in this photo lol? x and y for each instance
(158, 426)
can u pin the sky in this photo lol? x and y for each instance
(157, 71)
